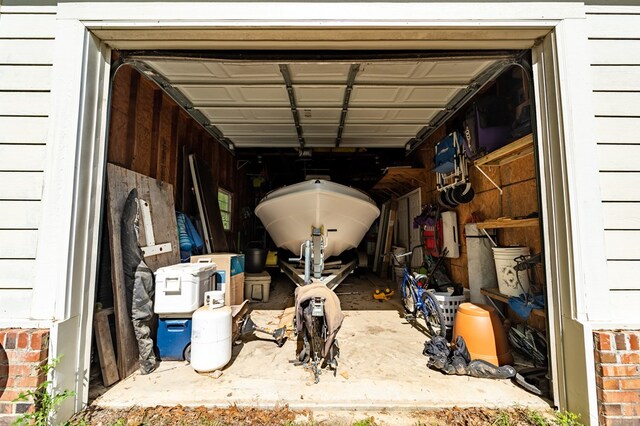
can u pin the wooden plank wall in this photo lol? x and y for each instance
(614, 41)
(26, 57)
(150, 134)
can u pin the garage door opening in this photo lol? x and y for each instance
(257, 122)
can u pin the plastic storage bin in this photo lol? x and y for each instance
(449, 305)
(256, 286)
(180, 288)
(174, 338)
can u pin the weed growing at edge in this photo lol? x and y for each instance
(46, 404)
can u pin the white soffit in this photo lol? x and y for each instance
(389, 102)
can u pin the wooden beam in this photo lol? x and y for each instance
(508, 223)
(104, 343)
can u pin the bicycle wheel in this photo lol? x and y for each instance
(433, 315)
(409, 297)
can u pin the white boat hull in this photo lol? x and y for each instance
(290, 213)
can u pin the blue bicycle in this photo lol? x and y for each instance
(417, 298)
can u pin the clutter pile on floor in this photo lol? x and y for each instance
(457, 360)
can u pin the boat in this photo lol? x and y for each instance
(341, 213)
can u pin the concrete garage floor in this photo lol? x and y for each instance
(381, 367)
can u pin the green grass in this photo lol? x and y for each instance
(503, 419)
(364, 422)
(567, 418)
(535, 418)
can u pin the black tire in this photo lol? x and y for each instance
(442, 200)
(433, 315)
(409, 298)
(187, 353)
(463, 193)
(448, 195)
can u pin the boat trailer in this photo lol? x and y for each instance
(312, 257)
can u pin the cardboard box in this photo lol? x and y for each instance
(229, 276)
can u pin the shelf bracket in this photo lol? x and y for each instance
(484, 231)
(488, 178)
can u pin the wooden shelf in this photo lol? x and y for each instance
(508, 153)
(507, 223)
(494, 293)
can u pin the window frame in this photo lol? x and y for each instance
(230, 207)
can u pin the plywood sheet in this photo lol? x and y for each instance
(160, 197)
(398, 181)
(206, 189)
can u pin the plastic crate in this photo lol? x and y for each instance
(449, 305)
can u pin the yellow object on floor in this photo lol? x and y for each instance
(272, 258)
(386, 295)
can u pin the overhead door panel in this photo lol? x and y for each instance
(220, 115)
(319, 95)
(258, 95)
(359, 103)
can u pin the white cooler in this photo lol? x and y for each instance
(180, 288)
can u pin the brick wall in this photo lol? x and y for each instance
(22, 351)
(617, 356)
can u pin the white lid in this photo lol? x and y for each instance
(187, 268)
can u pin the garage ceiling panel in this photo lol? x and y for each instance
(381, 129)
(321, 129)
(216, 72)
(258, 95)
(232, 130)
(391, 115)
(265, 140)
(391, 96)
(373, 141)
(221, 115)
(320, 141)
(316, 73)
(328, 95)
(422, 72)
(320, 115)
(390, 101)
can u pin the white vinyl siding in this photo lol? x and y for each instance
(614, 40)
(26, 52)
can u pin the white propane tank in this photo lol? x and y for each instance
(211, 334)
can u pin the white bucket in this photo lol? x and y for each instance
(398, 274)
(397, 251)
(506, 273)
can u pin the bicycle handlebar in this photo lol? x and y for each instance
(400, 255)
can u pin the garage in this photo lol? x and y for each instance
(56, 105)
(254, 121)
